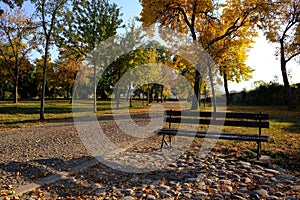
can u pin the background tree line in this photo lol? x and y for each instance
(225, 29)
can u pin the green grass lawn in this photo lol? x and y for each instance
(26, 113)
(284, 131)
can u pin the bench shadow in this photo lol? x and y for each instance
(32, 110)
(40, 168)
(82, 119)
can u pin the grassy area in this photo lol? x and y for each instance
(26, 113)
(284, 145)
(284, 131)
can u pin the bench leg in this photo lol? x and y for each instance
(162, 141)
(258, 150)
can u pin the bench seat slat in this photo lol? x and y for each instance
(219, 115)
(218, 122)
(224, 136)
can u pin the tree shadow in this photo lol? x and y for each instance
(33, 110)
(292, 121)
(40, 168)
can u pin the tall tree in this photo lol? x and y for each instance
(86, 24)
(282, 25)
(17, 33)
(198, 19)
(48, 12)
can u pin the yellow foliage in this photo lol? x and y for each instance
(224, 29)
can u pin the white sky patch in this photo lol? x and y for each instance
(262, 58)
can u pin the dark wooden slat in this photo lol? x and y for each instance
(218, 122)
(224, 136)
(253, 116)
(253, 124)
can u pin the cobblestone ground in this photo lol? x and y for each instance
(32, 154)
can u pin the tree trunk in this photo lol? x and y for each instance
(213, 100)
(130, 102)
(16, 91)
(128, 93)
(42, 110)
(151, 94)
(73, 92)
(148, 96)
(69, 94)
(117, 96)
(196, 96)
(289, 97)
(130, 96)
(95, 88)
(143, 98)
(226, 86)
(2, 91)
(16, 80)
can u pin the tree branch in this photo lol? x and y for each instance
(234, 27)
(293, 56)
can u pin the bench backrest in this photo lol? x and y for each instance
(258, 120)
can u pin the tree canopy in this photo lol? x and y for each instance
(207, 22)
(86, 24)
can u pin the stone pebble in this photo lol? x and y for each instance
(230, 179)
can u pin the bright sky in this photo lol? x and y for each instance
(261, 56)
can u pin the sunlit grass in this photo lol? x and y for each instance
(26, 113)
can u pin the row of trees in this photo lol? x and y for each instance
(224, 29)
(75, 26)
(266, 94)
(73, 53)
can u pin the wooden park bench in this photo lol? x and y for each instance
(248, 120)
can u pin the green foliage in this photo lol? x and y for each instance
(87, 23)
(264, 94)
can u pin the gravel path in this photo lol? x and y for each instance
(31, 154)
